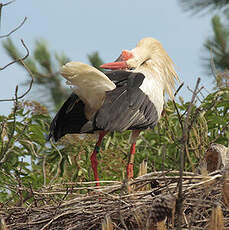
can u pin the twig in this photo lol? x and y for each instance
(21, 60)
(5, 149)
(19, 186)
(3, 160)
(57, 217)
(119, 206)
(174, 103)
(44, 170)
(1, 5)
(32, 148)
(18, 59)
(185, 112)
(86, 211)
(61, 201)
(12, 31)
(180, 86)
(184, 140)
(7, 3)
(32, 195)
(179, 116)
(58, 166)
(199, 91)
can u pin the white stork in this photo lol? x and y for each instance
(130, 97)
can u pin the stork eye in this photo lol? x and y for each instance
(132, 68)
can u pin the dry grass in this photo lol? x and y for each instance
(83, 206)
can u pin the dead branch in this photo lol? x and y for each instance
(174, 103)
(199, 91)
(15, 29)
(21, 60)
(1, 6)
(7, 3)
(57, 207)
(178, 89)
(184, 140)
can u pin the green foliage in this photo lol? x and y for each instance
(22, 144)
(218, 47)
(28, 163)
(218, 44)
(95, 60)
(42, 56)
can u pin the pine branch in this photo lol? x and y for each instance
(217, 45)
(197, 6)
(95, 60)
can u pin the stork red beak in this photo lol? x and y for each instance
(115, 65)
(120, 63)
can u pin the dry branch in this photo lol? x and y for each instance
(15, 29)
(186, 127)
(21, 60)
(111, 207)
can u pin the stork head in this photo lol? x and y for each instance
(148, 54)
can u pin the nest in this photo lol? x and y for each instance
(148, 202)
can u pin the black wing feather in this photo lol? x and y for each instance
(69, 119)
(126, 107)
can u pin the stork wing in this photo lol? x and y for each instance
(89, 83)
(126, 106)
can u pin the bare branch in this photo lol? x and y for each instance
(5, 4)
(184, 140)
(174, 103)
(180, 86)
(12, 31)
(199, 91)
(1, 5)
(31, 82)
(196, 91)
(21, 60)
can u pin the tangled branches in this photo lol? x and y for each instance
(82, 206)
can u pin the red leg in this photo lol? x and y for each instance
(130, 166)
(94, 161)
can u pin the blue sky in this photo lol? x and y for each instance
(78, 28)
